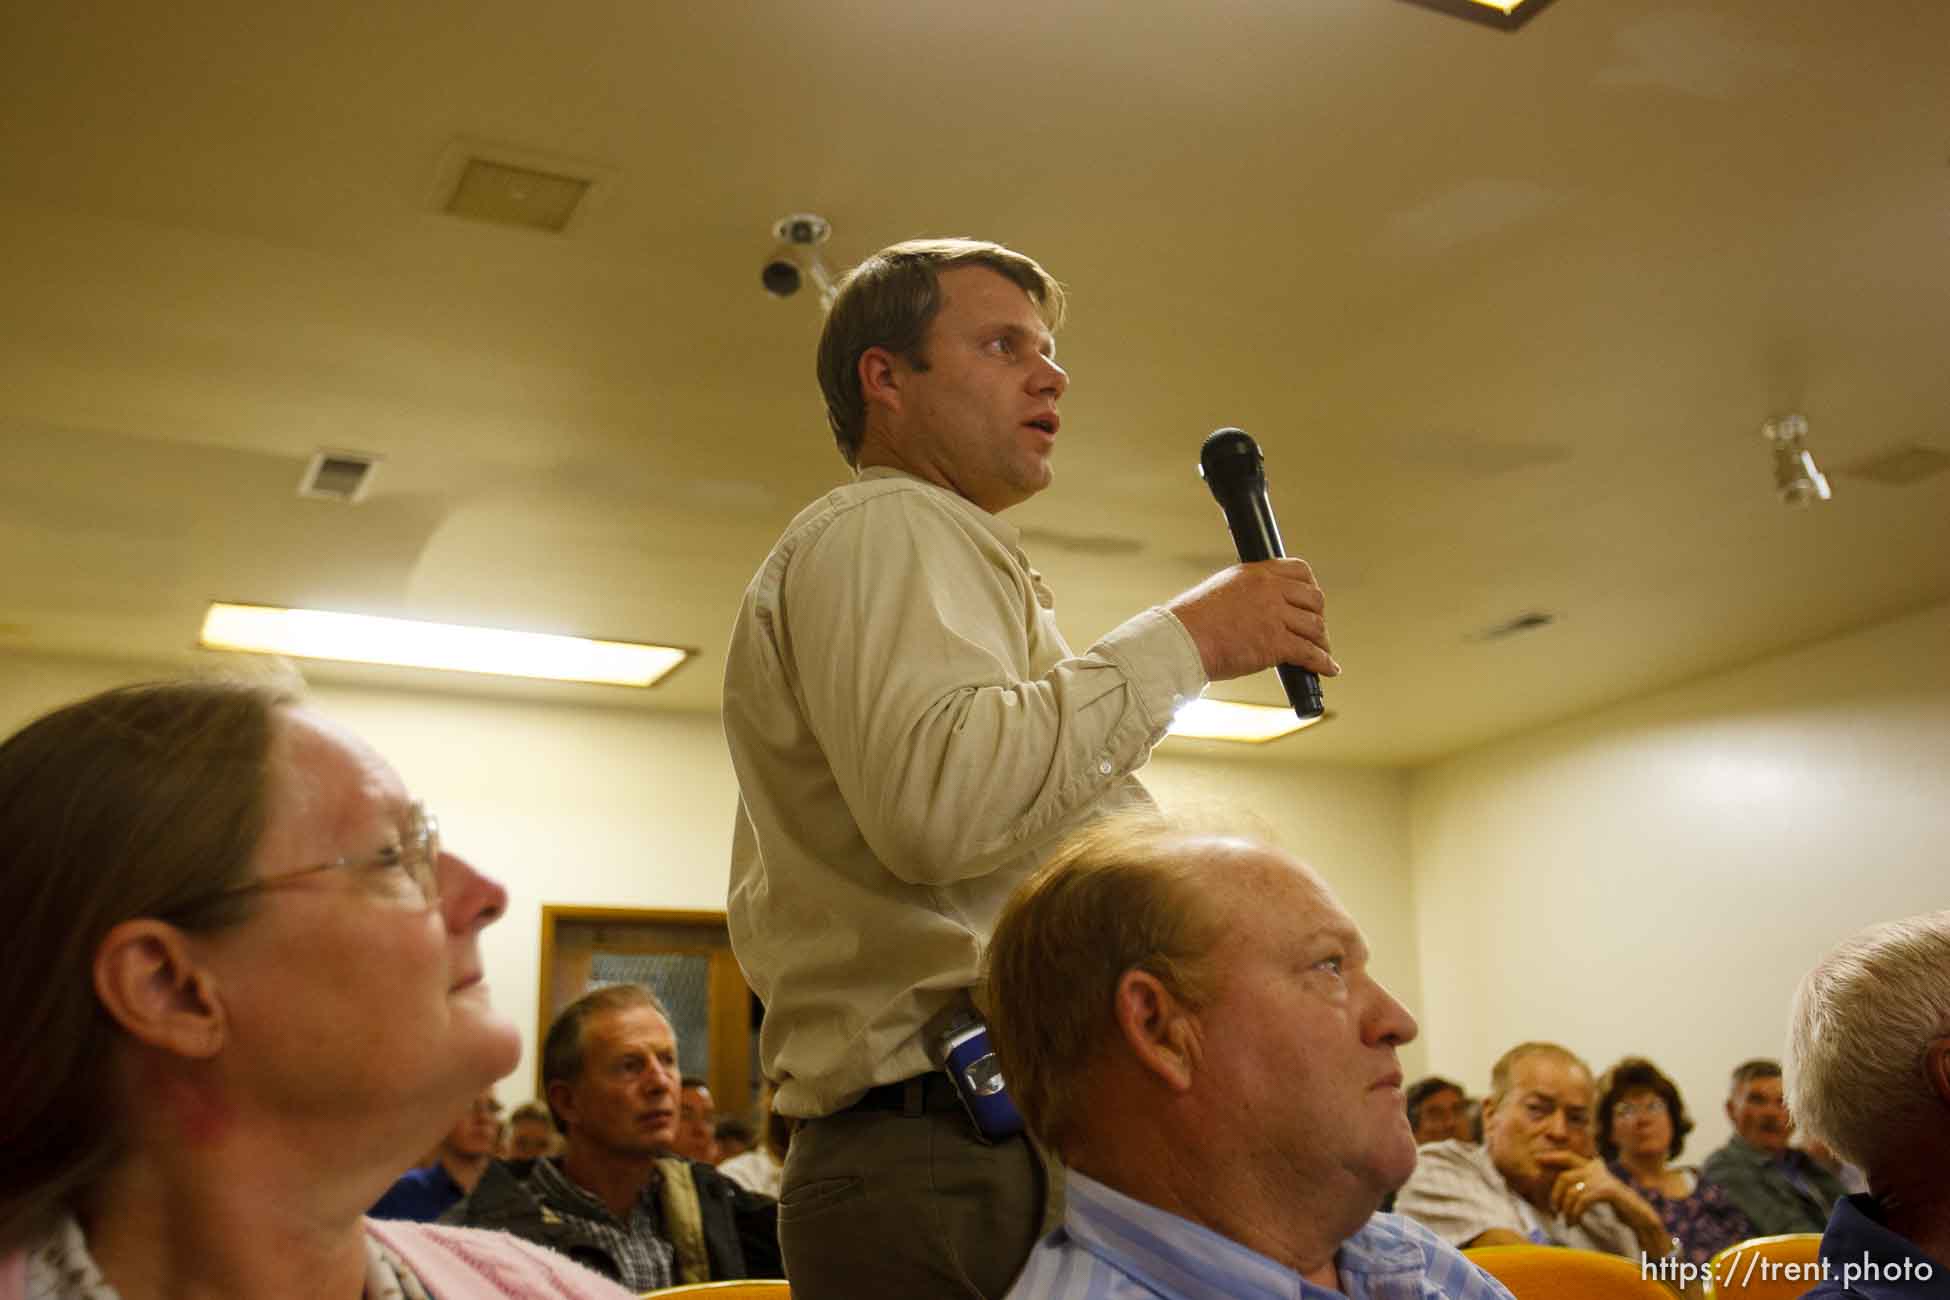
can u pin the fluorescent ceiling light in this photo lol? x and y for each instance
(1507, 15)
(360, 638)
(1254, 724)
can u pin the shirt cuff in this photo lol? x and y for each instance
(1160, 661)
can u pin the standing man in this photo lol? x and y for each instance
(1780, 1188)
(911, 733)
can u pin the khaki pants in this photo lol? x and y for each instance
(882, 1205)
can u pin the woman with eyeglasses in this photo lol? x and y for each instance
(1642, 1125)
(244, 992)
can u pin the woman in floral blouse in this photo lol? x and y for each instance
(1642, 1125)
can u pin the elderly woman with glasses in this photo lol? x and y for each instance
(245, 992)
(1642, 1126)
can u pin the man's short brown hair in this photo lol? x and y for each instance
(1747, 1071)
(1121, 895)
(562, 1049)
(889, 300)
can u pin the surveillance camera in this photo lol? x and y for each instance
(781, 275)
(796, 258)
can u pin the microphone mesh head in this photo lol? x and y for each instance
(1229, 461)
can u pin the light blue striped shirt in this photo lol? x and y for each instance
(1111, 1247)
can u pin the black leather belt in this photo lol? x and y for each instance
(916, 1096)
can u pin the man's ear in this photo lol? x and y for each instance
(880, 378)
(1936, 1069)
(561, 1097)
(151, 985)
(1160, 1030)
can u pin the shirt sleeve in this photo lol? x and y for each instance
(1746, 1186)
(1447, 1195)
(911, 635)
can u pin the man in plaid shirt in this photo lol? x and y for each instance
(617, 1199)
(1189, 1020)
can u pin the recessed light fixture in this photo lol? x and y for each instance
(1252, 724)
(408, 643)
(1504, 15)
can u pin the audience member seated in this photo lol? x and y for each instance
(615, 1200)
(1868, 1072)
(1437, 1110)
(1530, 1181)
(531, 1132)
(697, 1122)
(1189, 1020)
(735, 1138)
(762, 1169)
(1779, 1188)
(1642, 1125)
(426, 1193)
(251, 983)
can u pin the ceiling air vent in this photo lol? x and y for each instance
(338, 475)
(1529, 621)
(516, 196)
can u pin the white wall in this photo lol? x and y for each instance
(1652, 878)
(631, 809)
(1656, 878)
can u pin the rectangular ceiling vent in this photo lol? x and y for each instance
(516, 196)
(338, 475)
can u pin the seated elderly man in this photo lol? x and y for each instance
(1189, 1020)
(1779, 1188)
(1534, 1178)
(1868, 1072)
(615, 1199)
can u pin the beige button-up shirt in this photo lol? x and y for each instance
(911, 735)
(1457, 1193)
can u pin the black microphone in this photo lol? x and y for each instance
(1232, 467)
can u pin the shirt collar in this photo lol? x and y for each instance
(556, 1179)
(1173, 1256)
(1856, 1235)
(1005, 533)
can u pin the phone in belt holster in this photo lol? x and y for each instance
(959, 1046)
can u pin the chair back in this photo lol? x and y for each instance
(1768, 1268)
(1563, 1273)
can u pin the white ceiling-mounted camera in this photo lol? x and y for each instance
(796, 258)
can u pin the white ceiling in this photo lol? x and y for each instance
(1506, 313)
